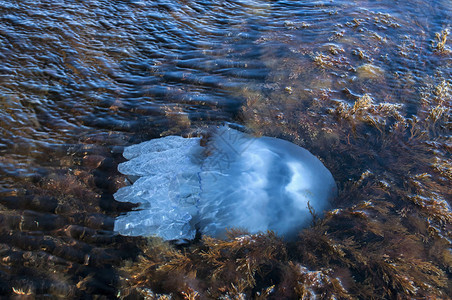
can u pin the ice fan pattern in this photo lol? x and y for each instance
(235, 180)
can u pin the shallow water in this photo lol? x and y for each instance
(81, 79)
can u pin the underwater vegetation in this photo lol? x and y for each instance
(388, 235)
(55, 239)
(363, 85)
(439, 45)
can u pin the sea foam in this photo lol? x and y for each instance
(235, 181)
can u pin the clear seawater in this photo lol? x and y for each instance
(81, 79)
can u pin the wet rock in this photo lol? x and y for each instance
(101, 179)
(370, 71)
(117, 149)
(78, 232)
(322, 82)
(37, 203)
(4, 283)
(70, 253)
(63, 209)
(99, 221)
(9, 221)
(108, 164)
(31, 220)
(102, 238)
(93, 161)
(61, 290)
(102, 257)
(92, 285)
(44, 204)
(12, 258)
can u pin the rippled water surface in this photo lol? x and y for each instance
(79, 80)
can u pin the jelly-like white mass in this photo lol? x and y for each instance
(235, 181)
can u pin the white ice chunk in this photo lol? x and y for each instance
(238, 181)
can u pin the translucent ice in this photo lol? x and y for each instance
(235, 181)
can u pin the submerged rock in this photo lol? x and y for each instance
(234, 181)
(370, 71)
